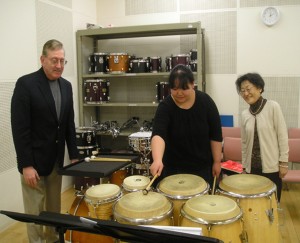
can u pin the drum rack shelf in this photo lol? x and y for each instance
(132, 94)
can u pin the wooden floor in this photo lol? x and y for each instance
(289, 218)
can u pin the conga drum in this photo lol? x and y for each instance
(181, 187)
(79, 208)
(135, 208)
(100, 199)
(256, 196)
(135, 183)
(218, 216)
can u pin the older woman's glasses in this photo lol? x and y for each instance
(55, 61)
(248, 89)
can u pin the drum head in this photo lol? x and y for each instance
(135, 182)
(136, 205)
(212, 208)
(140, 135)
(247, 184)
(85, 129)
(182, 186)
(103, 192)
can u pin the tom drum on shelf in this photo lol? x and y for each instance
(183, 59)
(118, 63)
(218, 216)
(256, 196)
(155, 64)
(181, 187)
(139, 66)
(96, 91)
(162, 90)
(98, 63)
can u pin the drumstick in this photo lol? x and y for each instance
(213, 189)
(145, 191)
(99, 159)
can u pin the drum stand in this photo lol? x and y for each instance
(144, 151)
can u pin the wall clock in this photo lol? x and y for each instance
(270, 15)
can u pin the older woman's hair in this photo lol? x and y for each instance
(253, 78)
(180, 77)
(52, 45)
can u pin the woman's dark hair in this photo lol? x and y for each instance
(253, 78)
(180, 77)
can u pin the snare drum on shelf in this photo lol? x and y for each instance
(79, 208)
(118, 63)
(86, 137)
(219, 217)
(256, 196)
(162, 90)
(135, 208)
(96, 91)
(100, 199)
(181, 187)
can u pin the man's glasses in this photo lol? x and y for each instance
(55, 61)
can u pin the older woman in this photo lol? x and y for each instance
(264, 132)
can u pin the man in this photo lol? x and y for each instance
(42, 119)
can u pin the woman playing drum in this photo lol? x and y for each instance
(187, 135)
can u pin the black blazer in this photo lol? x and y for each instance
(39, 136)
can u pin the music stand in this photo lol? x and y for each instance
(129, 233)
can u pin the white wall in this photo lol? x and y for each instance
(20, 52)
(271, 51)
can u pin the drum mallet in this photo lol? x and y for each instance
(214, 185)
(145, 191)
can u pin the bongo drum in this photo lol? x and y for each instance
(256, 196)
(100, 199)
(86, 137)
(118, 63)
(181, 187)
(162, 90)
(135, 183)
(79, 208)
(218, 216)
(135, 208)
